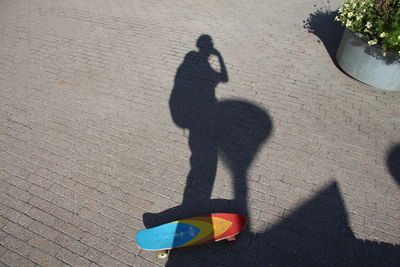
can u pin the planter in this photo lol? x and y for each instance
(367, 63)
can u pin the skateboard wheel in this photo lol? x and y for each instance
(162, 254)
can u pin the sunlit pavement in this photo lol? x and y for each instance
(89, 141)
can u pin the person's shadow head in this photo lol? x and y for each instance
(393, 162)
(205, 44)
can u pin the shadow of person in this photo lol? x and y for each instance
(231, 129)
(393, 163)
(192, 105)
(316, 233)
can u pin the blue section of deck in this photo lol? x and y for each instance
(166, 236)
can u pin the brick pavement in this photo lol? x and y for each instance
(88, 144)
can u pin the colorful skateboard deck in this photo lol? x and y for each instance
(192, 231)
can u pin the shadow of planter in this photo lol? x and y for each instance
(393, 162)
(367, 63)
(322, 24)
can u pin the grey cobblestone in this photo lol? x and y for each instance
(88, 144)
(44, 259)
(11, 258)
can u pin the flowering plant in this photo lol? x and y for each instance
(377, 21)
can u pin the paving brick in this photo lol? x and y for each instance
(69, 229)
(123, 255)
(94, 255)
(278, 211)
(17, 245)
(109, 261)
(94, 232)
(42, 192)
(44, 244)
(44, 259)
(44, 230)
(18, 217)
(71, 244)
(17, 231)
(13, 259)
(20, 194)
(269, 218)
(143, 262)
(71, 258)
(3, 250)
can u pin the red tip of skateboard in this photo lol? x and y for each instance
(238, 223)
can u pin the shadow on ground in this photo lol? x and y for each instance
(393, 163)
(322, 23)
(317, 233)
(230, 129)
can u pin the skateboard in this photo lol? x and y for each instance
(190, 232)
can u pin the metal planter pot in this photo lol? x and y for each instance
(367, 63)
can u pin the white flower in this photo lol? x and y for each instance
(372, 42)
(369, 25)
(383, 34)
(348, 23)
(350, 14)
(337, 18)
(359, 17)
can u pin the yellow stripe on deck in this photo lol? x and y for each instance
(210, 227)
